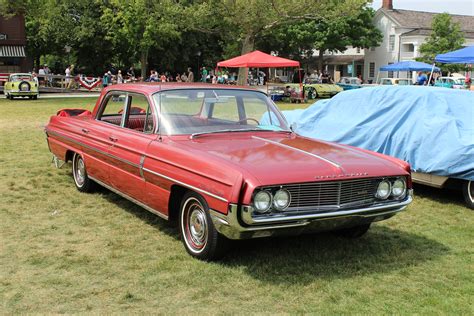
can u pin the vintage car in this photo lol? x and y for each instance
(21, 85)
(223, 163)
(395, 82)
(451, 82)
(314, 89)
(349, 83)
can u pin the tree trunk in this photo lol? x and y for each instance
(144, 63)
(247, 46)
(320, 60)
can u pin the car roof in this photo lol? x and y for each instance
(153, 87)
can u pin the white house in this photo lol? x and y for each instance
(403, 33)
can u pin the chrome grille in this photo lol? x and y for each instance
(332, 194)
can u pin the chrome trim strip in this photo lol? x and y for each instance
(146, 207)
(186, 185)
(394, 207)
(94, 149)
(299, 150)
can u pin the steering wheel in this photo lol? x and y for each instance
(249, 119)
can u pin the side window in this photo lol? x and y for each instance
(113, 108)
(139, 114)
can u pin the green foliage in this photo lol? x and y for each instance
(445, 37)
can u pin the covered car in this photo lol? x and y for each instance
(431, 128)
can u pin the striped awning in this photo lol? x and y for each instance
(12, 51)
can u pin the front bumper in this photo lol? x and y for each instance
(18, 93)
(238, 224)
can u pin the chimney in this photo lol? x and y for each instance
(387, 4)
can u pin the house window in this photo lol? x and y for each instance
(371, 70)
(391, 43)
(358, 50)
(372, 49)
(390, 73)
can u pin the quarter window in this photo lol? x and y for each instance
(112, 110)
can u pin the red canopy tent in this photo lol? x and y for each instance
(258, 59)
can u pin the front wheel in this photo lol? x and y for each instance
(353, 232)
(468, 192)
(81, 180)
(199, 236)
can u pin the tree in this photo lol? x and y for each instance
(445, 37)
(302, 37)
(142, 25)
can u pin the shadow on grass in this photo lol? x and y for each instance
(300, 259)
(443, 196)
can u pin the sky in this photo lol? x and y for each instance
(465, 7)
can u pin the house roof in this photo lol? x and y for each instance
(427, 32)
(422, 20)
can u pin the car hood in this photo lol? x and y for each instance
(277, 159)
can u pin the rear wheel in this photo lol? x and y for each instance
(468, 192)
(353, 232)
(79, 172)
(199, 236)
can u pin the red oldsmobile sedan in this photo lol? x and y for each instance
(223, 163)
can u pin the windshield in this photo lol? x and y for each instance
(196, 111)
(20, 78)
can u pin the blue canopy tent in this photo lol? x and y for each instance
(409, 65)
(460, 56)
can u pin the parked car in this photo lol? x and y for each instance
(349, 83)
(451, 82)
(314, 90)
(222, 162)
(431, 128)
(396, 82)
(21, 85)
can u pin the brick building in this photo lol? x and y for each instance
(12, 45)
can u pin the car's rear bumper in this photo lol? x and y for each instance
(239, 225)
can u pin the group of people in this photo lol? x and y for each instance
(168, 77)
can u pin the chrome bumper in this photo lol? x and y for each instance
(239, 224)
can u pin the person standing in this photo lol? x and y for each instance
(190, 75)
(119, 77)
(68, 76)
(421, 79)
(131, 74)
(204, 74)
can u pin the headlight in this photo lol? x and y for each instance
(383, 190)
(262, 201)
(281, 199)
(399, 188)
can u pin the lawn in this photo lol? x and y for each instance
(62, 251)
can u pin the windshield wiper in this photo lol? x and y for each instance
(194, 135)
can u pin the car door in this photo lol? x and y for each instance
(129, 146)
(96, 135)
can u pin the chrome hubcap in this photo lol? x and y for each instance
(198, 226)
(80, 172)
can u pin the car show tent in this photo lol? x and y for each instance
(258, 59)
(460, 56)
(409, 65)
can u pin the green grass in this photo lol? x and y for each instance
(62, 251)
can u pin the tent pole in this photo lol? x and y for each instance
(301, 83)
(431, 74)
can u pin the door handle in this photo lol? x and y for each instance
(112, 138)
(85, 130)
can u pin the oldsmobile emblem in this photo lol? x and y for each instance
(343, 175)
